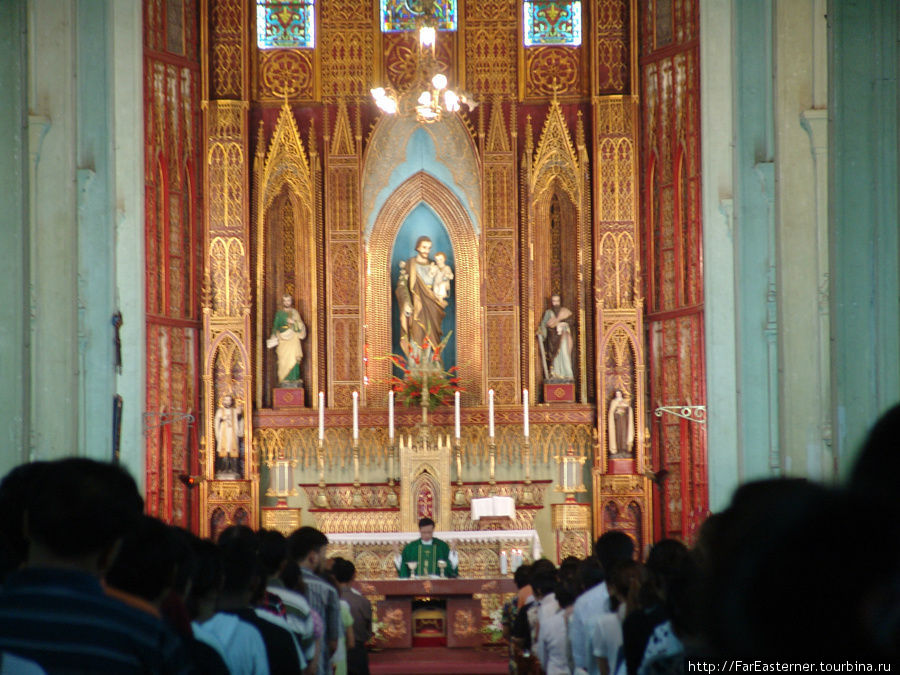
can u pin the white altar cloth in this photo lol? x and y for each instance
(502, 537)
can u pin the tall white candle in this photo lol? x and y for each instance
(321, 415)
(491, 413)
(391, 414)
(456, 412)
(525, 411)
(355, 415)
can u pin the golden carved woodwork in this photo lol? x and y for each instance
(227, 264)
(612, 35)
(489, 33)
(555, 175)
(281, 519)
(569, 516)
(226, 28)
(572, 543)
(349, 51)
(286, 174)
(464, 624)
(225, 503)
(552, 71)
(401, 53)
(467, 285)
(286, 74)
(615, 266)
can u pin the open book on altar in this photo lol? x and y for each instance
(493, 507)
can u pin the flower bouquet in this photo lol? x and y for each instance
(494, 628)
(441, 384)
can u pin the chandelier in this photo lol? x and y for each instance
(428, 96)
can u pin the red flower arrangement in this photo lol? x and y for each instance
(442, 384)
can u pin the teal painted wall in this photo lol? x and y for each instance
(863, 216)
(68, 208)
(14, 384)
(754, 234)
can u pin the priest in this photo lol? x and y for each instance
(426, 552)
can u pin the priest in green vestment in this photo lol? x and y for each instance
(425, 552)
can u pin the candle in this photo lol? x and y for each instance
(456, 413)
(525, 411)
(491, 413)
(503, 562)
(321, 415)
(391, 414)
(355, 415)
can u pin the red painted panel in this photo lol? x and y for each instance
(173, 217)
(672, 228)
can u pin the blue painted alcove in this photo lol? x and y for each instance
(422, 221)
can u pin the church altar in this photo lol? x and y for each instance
(458, 622)
(479, 551)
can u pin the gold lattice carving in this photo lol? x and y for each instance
(226, 172)
(343, 12)
(555, 157)
(281, 520)
(286, 73)
(615, 267)
(401, 57)
(501, 261)
(571, 516)
(229, 491)
(349, 51)
(226, 261)
(341, 136)
(616, 179)
(497, 140)
(465, 624)
(577, 544)
(551, 70)
(491, 58)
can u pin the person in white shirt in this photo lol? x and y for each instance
(607, 639)
(553, 643)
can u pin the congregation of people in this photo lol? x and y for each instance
(790, 570)
(92, 585)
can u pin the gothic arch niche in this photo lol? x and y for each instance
(425, 496)
(420, 188)
(618, 372)
(556, 270)
(286, 255)
(627, 517)
(557, 251)
(289, 268)
(225, 373)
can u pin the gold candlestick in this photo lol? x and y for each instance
(459, 498)
(321, 499)
(492, 449)
(357, 493)
(527, 492)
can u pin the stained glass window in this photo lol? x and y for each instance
(552, 22)
(402, 15)
(285, 23)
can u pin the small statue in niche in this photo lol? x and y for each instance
(556, 341)
(229, 428)
(422, 306)
(620, 425)
(288, 330)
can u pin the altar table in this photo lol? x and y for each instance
(462, 626)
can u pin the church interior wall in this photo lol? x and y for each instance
(14, 380)
(65, 231)
(863, 216)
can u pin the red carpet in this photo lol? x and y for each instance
(421, 660)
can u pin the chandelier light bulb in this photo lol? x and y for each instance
(451, 101)
(425, 98)
(439, 81)
(427, 36)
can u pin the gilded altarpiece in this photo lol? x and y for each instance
(173, 230)
(556, 241)
(622, 494)
(227, 292)
(671, 208)
(287, 237)
(312, 224)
